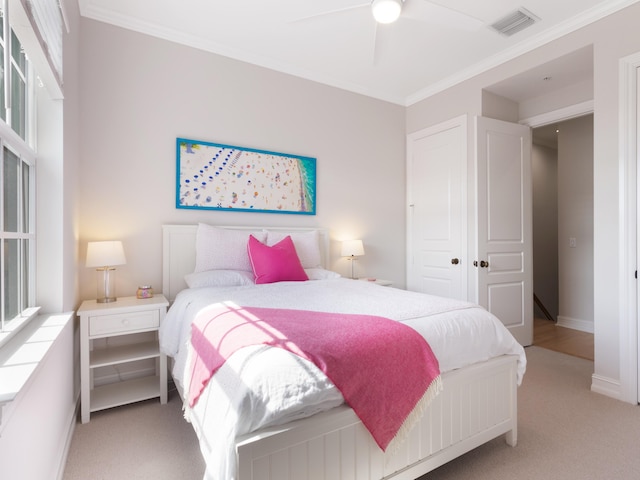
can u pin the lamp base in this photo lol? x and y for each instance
(106, 300)
(106, 285)
(353, 261)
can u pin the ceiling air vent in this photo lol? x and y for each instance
(514, 22)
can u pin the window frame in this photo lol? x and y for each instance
(26, 155)
(11, 140)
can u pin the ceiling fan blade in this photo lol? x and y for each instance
(376, 40)
(382, 42)
(330, 12)
(432, 12)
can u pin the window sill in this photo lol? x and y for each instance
(21, 355)
(17, 324)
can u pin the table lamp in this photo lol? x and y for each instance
(352, 249)
(105, 256)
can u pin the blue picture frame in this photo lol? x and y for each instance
(214, 176)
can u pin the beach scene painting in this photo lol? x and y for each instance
(223, 177)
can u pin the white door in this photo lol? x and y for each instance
(504, 224)
(437, 211)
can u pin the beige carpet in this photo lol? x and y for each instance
(565, 432)
(141, 441)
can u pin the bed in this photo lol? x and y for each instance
(325, 439)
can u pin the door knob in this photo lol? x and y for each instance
(475, 263)
(455, 261)
(484, 264)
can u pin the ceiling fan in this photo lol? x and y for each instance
(388, 11)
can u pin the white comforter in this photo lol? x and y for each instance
(244, 396)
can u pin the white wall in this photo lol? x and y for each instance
(139, 93)
(544, 170)
(575, 220)
(38, 425)
(50, 200)
(611, 41)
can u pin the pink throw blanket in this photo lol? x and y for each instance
(385, 370)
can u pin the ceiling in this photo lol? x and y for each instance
(434, 44)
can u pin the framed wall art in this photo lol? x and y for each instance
(213, 176)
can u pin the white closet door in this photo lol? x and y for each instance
(504, 224)
(437, 212)
(637, 184)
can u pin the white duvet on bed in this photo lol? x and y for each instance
(244, 396)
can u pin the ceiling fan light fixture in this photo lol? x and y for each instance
(386, 11)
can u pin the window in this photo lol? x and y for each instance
(17, 91)
(17, 187)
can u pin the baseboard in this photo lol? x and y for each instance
(575, 324)
(606, 386)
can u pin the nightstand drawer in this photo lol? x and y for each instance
(123, 322)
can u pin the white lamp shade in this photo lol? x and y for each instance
(105, 254)
(352, 248)
(386, 11)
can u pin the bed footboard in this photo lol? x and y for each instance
(478, 403)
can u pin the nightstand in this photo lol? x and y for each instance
(126, 316)
(378, 281)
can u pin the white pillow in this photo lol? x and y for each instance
(307, 245)
(219, 278)
(223, 248)
(320, 274)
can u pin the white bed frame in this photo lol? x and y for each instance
(478, 403)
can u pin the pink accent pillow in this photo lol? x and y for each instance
(276, 263)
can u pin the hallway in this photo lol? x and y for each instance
(547, 334)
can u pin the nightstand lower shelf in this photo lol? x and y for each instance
(121, 393)
(125, 353)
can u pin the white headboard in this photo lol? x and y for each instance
(179, 252)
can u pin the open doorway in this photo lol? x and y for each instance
(562, 171)
(559, 92)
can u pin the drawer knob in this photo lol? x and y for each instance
(125, 321)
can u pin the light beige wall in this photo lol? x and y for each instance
(611, 41)
(500, 108)
(139, 93)
(563, 97)
(72, 134)
(575, 220)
